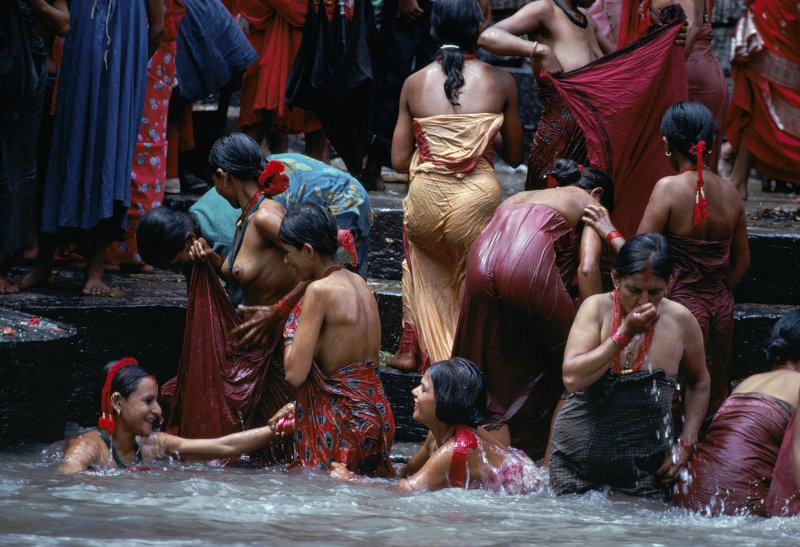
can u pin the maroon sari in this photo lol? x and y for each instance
(783, 499)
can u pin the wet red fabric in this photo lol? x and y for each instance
(732, 468)
(219, 388)
(345, 417)
(699, 284)
(465, 440)
(516, 315)
(783, 499)
(618, 102)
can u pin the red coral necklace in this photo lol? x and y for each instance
(631, 365)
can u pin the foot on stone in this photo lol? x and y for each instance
(402, 361)
(34, 278)
(7, 287)
(95, 286)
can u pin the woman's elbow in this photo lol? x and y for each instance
(294, 379)
(62, 29)
(572, 382)
(589, 271)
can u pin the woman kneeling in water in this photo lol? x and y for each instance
(451, 401)
(126, 437)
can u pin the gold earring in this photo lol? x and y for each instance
(668, 153)
(227, 182)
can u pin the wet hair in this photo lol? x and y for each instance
(237, 154)
(685, 124)
(459, 388)
(567, 173)
(126, 380)
(161, 234)
(310, 223)
(455, 23)
(784, 342)
(643, 253)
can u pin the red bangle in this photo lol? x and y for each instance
(620, 337)
(688, 447)
(612, 235)
(283, 306)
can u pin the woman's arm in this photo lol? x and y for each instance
(299, 355)
(54, 16)
(589, 281)
(433, 475)
(201, 250)
(221, 447)
(503, 38)
(403, 139)
(598, 218)
(511, 131)
(740, 253)
(656, 215)
(694, 10)
(155, 24)
(255, 331)
(82, 453)
(419, 459)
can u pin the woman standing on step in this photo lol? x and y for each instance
(704, 222)
(453, 114)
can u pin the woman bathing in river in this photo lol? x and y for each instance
(451, 401)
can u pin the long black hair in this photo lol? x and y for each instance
(237, 154)
(643, 253)
(161, 234)
(310, 223)
(685, 124)
(784, 342)
(567, 173)
(455, 23)
(460, 391)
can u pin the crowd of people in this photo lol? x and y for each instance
(583, 325)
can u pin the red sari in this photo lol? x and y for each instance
(783, 499)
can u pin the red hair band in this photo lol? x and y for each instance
(345, 240)
(273, 179)
(700, 203)
(106, 421)
(644, 17)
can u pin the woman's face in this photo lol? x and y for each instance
(140, 412)
(641, 288)
(301, 260)
(424, 402)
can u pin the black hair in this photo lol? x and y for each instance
(645, 252)
(310, 223)
(161, 234)
(237, 154)
(567, 173)
(685, 124)
(459, 388)
(784, 342)
(455, 23)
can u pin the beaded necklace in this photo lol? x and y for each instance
(631, 365)
(572, 17)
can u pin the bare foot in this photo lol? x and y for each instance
(7, 287)
(35, 277)
(95, 286)
(402, 361)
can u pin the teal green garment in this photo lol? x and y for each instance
(217, 221)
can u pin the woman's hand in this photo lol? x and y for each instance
(641, 319)
(341, 472)
(287, 411)
(674, 460)
(200, 249)
(256, 331)
(543, 58)
(598, 218)
(409, 10)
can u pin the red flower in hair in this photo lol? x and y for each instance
(273, 179)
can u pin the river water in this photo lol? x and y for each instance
(183, 504)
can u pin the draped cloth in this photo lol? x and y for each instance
(618, 102)
(764, 114)
(731, 470)
(345, 417)
(276, 31)
(88, 183)
(615, 433)
(452, 194)
(516, 315)
(699, 284)
(220, 388)
(783, 499)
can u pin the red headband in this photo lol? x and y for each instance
(345, 240)
(700, 204)
(106, 421)
(273, 179)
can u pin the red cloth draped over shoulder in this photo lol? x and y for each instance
(219, 388)
(345, 417)
(783, 499)
(732, 468)
(618, 102)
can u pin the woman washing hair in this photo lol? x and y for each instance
(453, 114)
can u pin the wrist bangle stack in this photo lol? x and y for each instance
(533, 51)
(612, 235)
(283, 306)
(687, 446)
(620, 337)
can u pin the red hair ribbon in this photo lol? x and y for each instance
(106, 421)
(644, 17)
(551, 181)
(273, 179)
(700, 203)
(345, 240)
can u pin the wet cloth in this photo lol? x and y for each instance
(212, 49)
(731, 470)
(220, 388)
(615, 433)
(89, 175)
(620, 115)
(276, 31)
(516, 315)
(783, 499)
(764, 114)
(345, 417)
(453, 192)
(699, 284)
